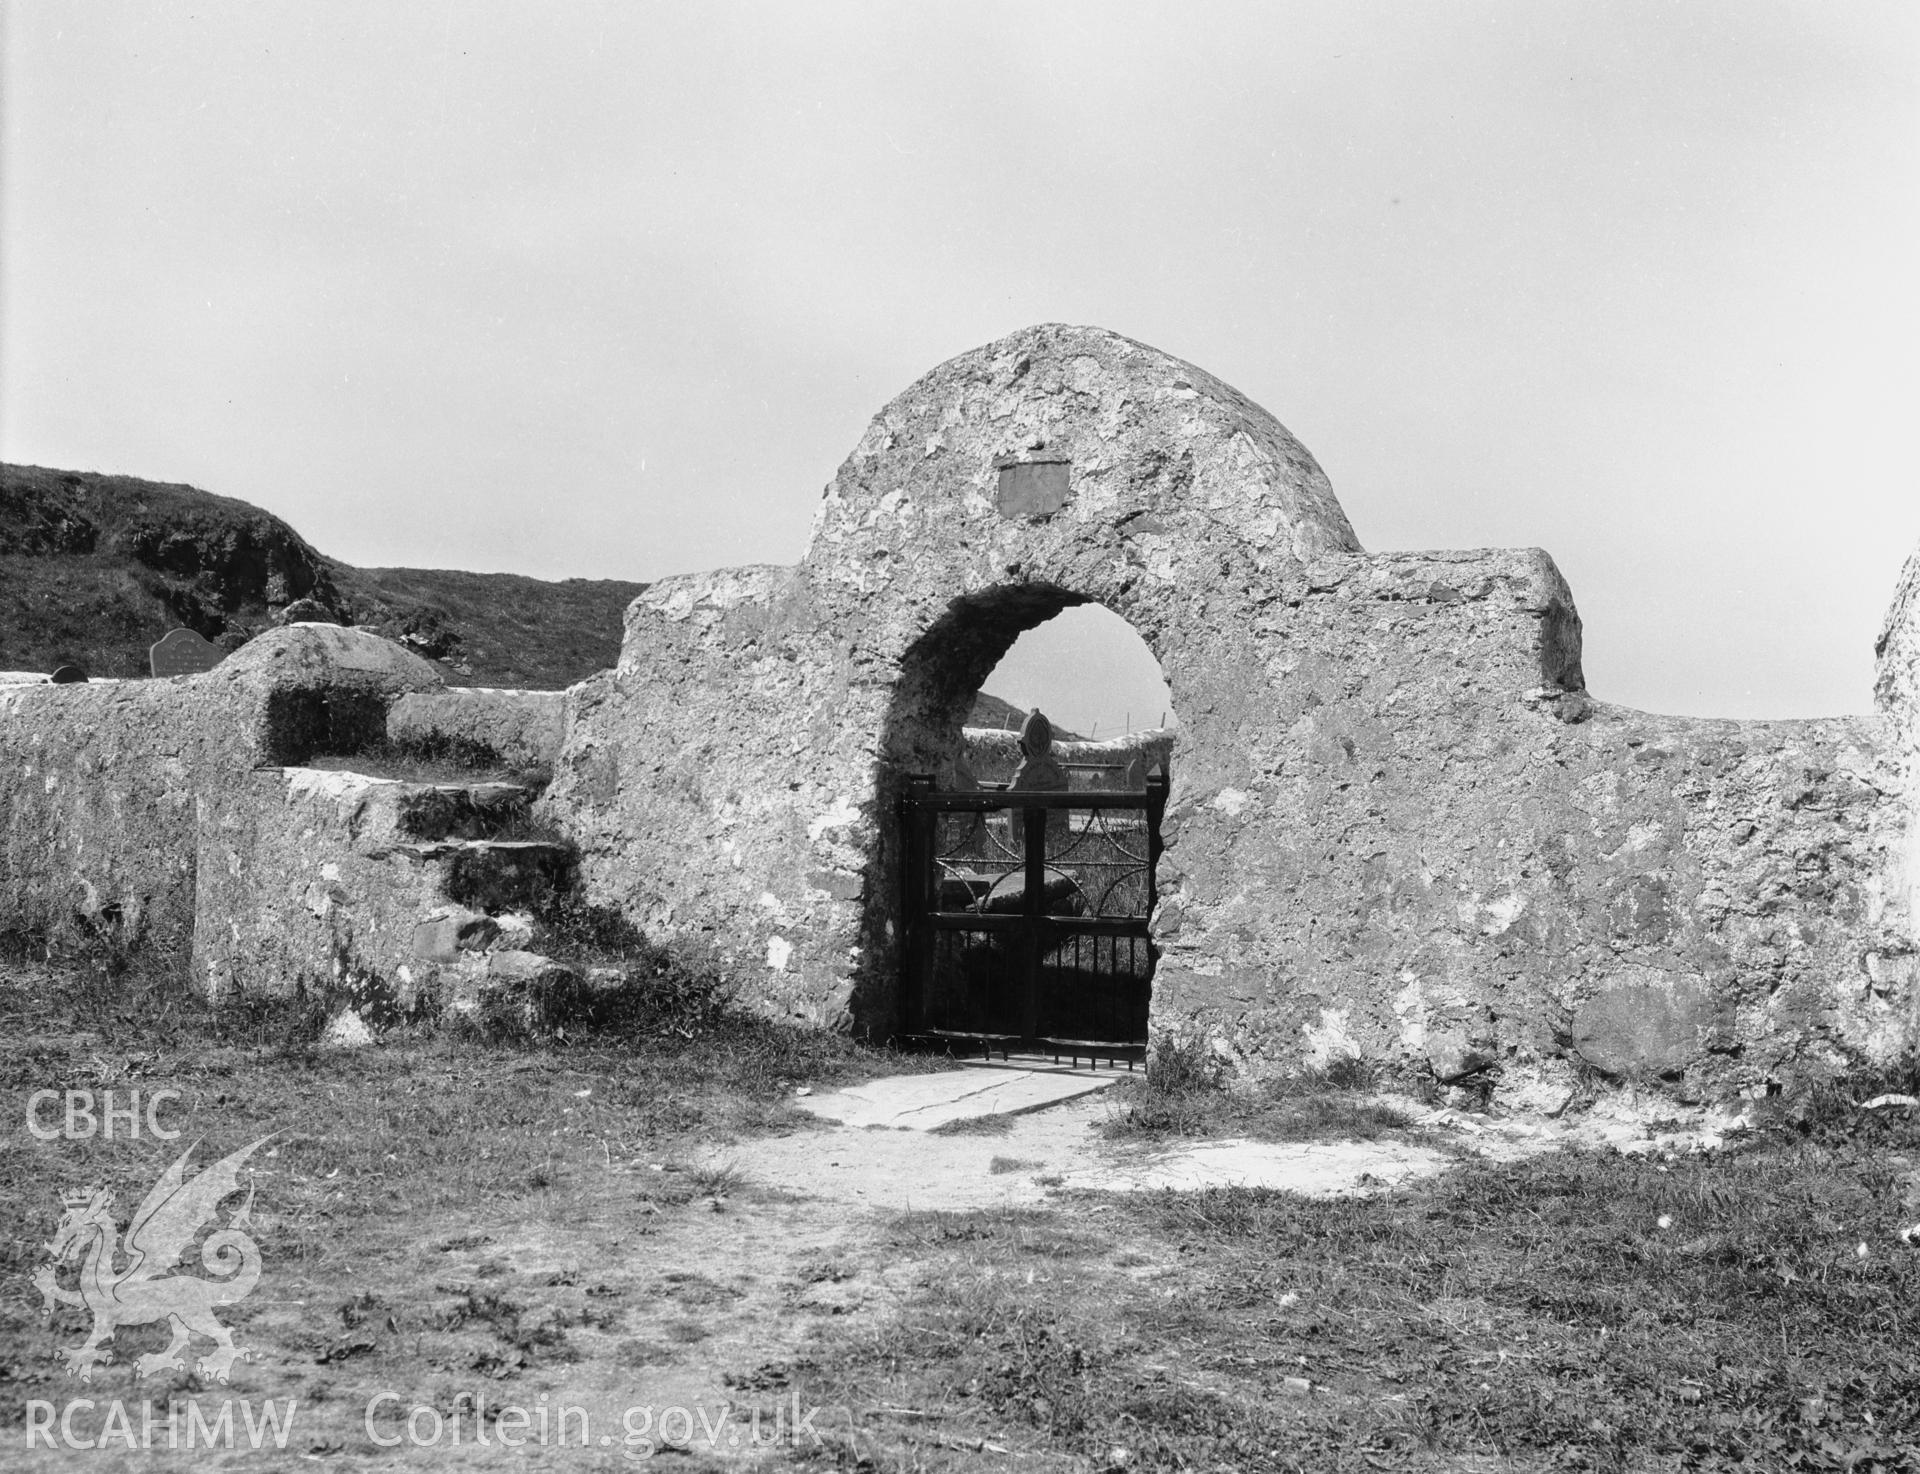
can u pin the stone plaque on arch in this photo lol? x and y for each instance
(181, 652)
(1033, 487)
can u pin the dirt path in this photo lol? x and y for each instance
(1040, 1154)
(644, 1293)
(646, 1306)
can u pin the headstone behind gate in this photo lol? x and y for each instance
(181, 652)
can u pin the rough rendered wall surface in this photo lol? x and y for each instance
(1399, 826)
(96, 803)
(301, 876)
(1897, 668)
(1427, 858)
(707, 780)
(98, 780)
(1897, 692)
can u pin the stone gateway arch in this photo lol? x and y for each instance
(1399, 825)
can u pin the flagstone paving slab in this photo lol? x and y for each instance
(923, 1102)
(1316, 1168)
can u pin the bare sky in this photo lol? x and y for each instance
(609, 290)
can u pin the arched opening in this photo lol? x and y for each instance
(1098, 684)
(1014, 878)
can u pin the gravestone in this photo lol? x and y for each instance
(181, 652)
(68, 675)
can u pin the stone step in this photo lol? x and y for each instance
(494, 875)
(520, 994)
(459, 810)
(447, 932)
(512, 993)
(377, 812)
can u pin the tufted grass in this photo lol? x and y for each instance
(1184, 1091)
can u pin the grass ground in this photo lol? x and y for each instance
(1531, 1315)
(402, 1193)
(467, 1226)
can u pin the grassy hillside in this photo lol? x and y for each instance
(95, 568)
(499, 629)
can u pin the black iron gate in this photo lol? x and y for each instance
(1025, 917)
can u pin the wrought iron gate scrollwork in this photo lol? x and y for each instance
(1026, 917)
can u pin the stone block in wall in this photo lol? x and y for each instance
(319, 688)
(1452, 1056)
(305, 884)
(512, 994)
(451, 930)
(1646, 1024)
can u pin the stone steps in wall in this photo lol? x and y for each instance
(478, 943)
(471, 951)
(432, 811)
(455, 828)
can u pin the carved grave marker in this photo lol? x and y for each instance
(181, 652)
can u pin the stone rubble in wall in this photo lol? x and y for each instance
(1631, 1122)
